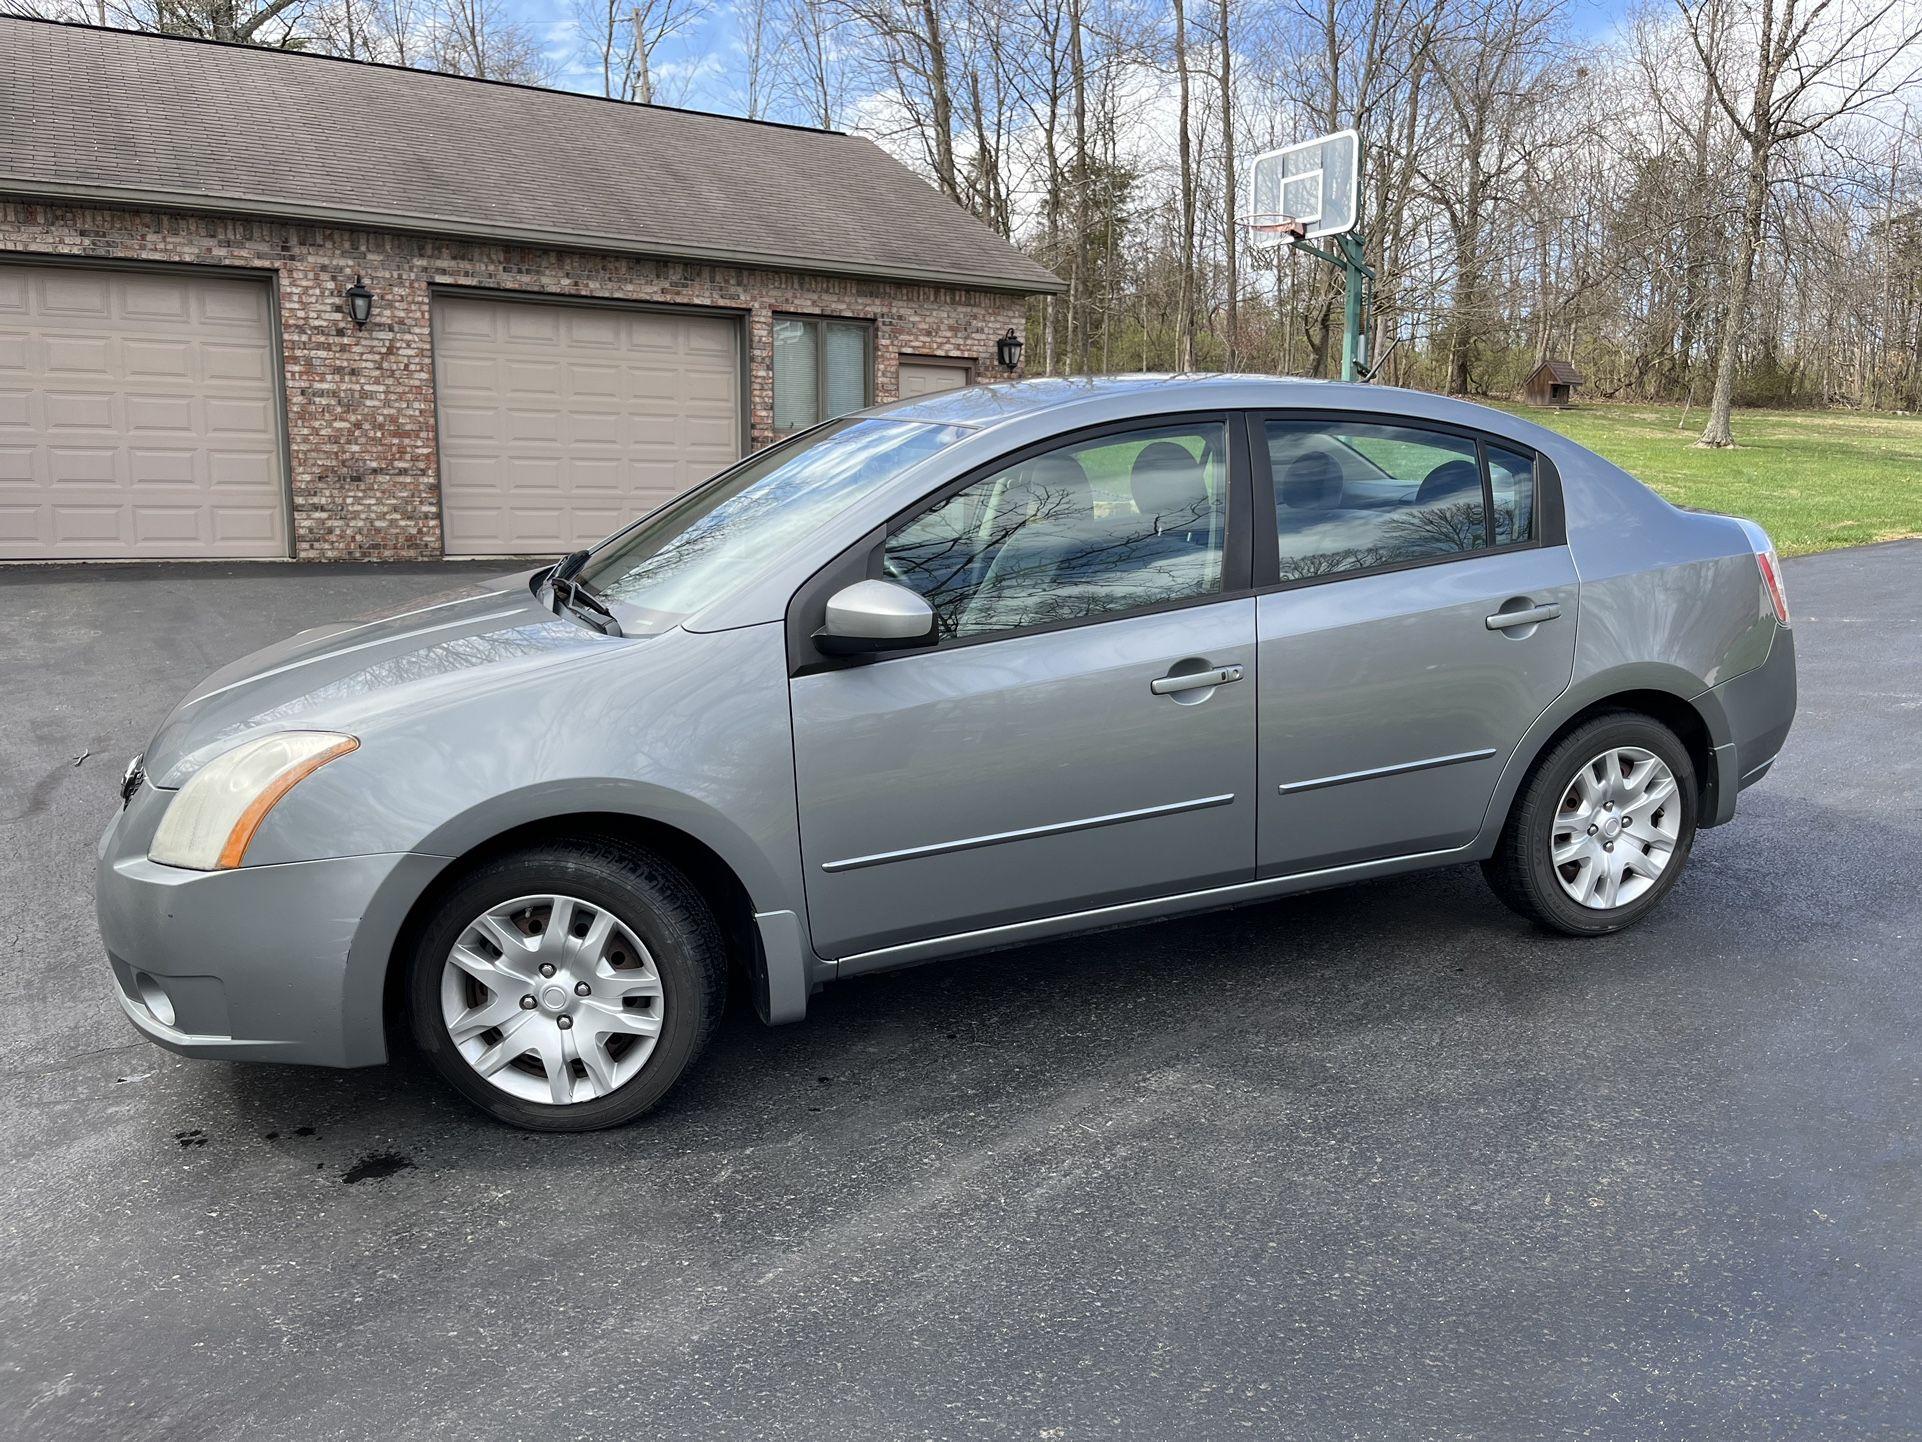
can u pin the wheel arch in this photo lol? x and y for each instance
(1666, 694)
(744, 896)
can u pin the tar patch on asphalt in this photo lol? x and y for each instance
(376, 1166)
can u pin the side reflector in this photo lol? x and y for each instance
(1771, 570)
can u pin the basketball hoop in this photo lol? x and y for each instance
(1273, 227)
(1303, 196)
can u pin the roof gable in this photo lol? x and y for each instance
(143, 119)
(1561, 372)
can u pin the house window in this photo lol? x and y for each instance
(821, 370)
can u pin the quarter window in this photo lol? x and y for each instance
(1359, 497)
(821, 370)
(1094, 529)
(1511, 478)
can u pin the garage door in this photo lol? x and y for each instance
(925, 377)
(559, 423)
(138, 416)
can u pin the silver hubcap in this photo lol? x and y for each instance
(1616, 828)
(552, 1000)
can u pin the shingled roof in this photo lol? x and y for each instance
(133, 119)
(1561, 372)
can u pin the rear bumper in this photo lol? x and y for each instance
(264, 963)
(1755, 711)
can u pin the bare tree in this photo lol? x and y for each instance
(1492, 75)
(908, 48)
(623, 39)
(812, 73)
(1808, 63)
(271, 23)
(756, 26)
(1184, 303)
(1231, 235)
(479, 38)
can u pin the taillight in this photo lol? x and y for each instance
(1771, 570)
(1769, 565)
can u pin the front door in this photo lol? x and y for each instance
(1423, 617)
(1084, 732)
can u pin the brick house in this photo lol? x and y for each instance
(577, 308)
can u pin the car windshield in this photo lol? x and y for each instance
(685, 554)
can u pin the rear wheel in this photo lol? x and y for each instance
(568, 987)
(1601, 829)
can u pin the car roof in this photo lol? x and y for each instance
(1092, 400)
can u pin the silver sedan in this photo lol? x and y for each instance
(968, 671)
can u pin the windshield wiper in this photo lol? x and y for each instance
(580, 596)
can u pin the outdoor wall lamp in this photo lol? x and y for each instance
(360, 302)
(1007, 350)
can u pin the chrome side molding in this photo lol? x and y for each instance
(1427, 763)
(1056, 828)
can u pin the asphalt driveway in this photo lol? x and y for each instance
(1380, 1163)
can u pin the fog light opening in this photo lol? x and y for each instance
(154, 997)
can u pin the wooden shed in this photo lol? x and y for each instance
(1552, 383)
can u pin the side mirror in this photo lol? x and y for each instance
(875, 616)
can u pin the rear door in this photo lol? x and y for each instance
(1418, 615)
(1084, 733)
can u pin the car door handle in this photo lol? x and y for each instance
(1502, 620)
(1193, 680)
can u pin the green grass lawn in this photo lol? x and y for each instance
(1814, 479)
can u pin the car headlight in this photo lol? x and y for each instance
(208, 824)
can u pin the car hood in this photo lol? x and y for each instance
(345, 676)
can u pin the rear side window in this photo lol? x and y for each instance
(1097, 528)
(1358, 497)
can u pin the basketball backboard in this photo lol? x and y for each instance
(1312, 185)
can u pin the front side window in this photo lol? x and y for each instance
(1097, 528)
(821, 371)
(693, 549)
(1351, 496)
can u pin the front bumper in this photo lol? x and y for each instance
(262, 963)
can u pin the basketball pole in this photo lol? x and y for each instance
(1358, 283)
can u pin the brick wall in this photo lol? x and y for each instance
(360, 403)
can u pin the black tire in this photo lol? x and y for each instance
(649, 897)
(1522, 872)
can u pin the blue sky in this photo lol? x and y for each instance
(701, 55)
(701, 60)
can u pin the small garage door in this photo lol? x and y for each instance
(138, 416)
(560, 423)
(924, 377)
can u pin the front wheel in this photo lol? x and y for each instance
(566, 987)
(1601, 828)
